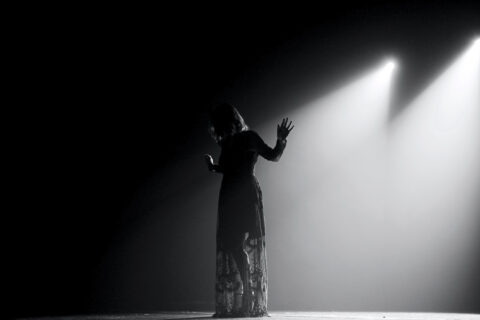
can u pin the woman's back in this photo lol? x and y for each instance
(240, 152)
(239, 155)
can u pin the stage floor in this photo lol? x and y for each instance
(279, 316)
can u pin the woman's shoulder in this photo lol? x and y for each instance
(250, 138)
(249, 133)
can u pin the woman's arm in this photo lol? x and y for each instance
(268, 153)
(274, 154)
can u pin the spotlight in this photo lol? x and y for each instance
(391, 65)
(476, 42)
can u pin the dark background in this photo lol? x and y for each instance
(110, 102)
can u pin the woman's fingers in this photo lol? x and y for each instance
(285, 125)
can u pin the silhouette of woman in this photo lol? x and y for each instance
(241, 267)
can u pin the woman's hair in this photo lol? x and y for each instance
(225, 120)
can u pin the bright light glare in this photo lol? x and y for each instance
(391, 65)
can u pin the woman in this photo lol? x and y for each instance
(241, 270)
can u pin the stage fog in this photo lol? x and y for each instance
(373, 207)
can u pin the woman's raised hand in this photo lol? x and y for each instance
(284, 129)
(209, 161)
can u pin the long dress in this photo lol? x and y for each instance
(240, 211)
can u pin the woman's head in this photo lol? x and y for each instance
(225, 120)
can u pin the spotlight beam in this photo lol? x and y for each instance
(331, 191)
(434, 185)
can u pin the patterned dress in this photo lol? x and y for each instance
(240, 211)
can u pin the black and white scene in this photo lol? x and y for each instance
(283, 161)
